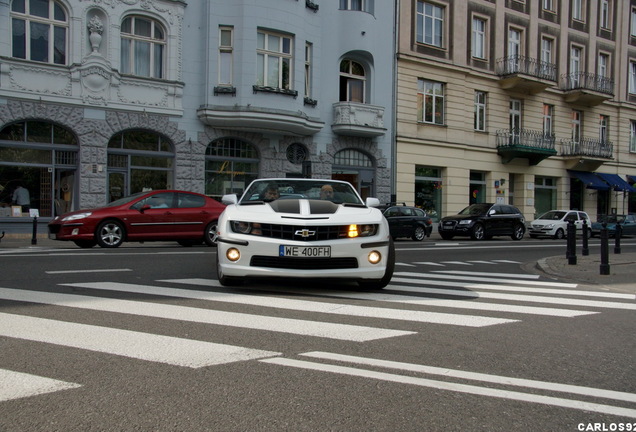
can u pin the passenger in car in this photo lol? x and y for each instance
(326, 192)
(271, 193)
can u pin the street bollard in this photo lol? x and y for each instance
(571, 246)
(605, 268)
(617, 238)
(34, 239)
(586, 250)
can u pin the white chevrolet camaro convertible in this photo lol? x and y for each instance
(304, 228)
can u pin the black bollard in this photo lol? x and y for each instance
(605, 268)
(586, 250)
(617, 238)
(571, 247)
(34, 239)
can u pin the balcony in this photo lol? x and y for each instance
(259, 119)
(356, 119)
(586, 89)
(525, 75)
(586, 154)
(523, 143)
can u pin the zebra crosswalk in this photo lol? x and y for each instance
(437, 297)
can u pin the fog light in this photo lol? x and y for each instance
(375, 257)
(75, 231)
(233, 254)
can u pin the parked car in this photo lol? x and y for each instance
(628, 224)
(554, 223)
(299, 233)
(186, 217)
(484, 221)
(405, 221)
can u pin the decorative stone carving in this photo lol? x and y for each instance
(95, 27)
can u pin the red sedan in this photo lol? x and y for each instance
(186, 217)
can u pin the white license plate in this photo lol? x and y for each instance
(304, 251)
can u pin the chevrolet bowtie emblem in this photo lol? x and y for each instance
(305, 233)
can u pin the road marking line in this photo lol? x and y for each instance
(205, 316)
(430, 263)
(294, 304)
(512, 297)
(449, 386)
(456, 262)
(404, 264)
(514, 288)
(437, 274)
(507, 261)
(476, 376)
(143, 346)
(483, 262)
(16, 385)
(87, 271)
(508, 275)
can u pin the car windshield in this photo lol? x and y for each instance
(476, 209)
(273, 189)
(125, 200)
(552, 215)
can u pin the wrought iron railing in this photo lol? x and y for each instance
(518, 64)
(587, 147)
(525, 138)
(587, 81)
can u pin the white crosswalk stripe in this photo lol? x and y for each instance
(16, 385)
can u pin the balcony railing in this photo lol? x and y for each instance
(587, 147)
(356, 119)
(517, 64)
(524, 143)
(587, 81)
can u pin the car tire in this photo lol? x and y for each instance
(85, 244)
(226, 280)
(388, 274)
(559, 234)
(419, 233)
(478, 232)
(446, 236)
(518, 232)
(110, 234)
(210, 233)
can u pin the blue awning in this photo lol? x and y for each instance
(632, 178)
(590, 179)
(617, 182)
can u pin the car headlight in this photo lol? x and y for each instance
(549, 226)
(241, 227)
(76, 216)
(465, 222)
(362, 231)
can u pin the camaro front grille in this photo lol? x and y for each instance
(304, 233)
(298, 263)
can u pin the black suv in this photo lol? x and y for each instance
(407, 221)
(483, 221)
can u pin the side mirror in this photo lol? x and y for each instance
(144, 208)
(229, 199)
(372, 202)
(491, 212)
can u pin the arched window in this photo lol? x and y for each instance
(352, 81)
(139, 160)
(353, 158)
(143, 45)
(39, 31)
(230, 165)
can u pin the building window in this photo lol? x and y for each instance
(604, 18)
(514, 49)
(230, 165)
(428, 191)
(274, 60)
(577, 10)
(603, 129)
(514, 115)
(477, 187)
(480, 111)
(143, 43)
(430, 102)
(548, 5)
(39, 31)
(576, 54)
(632, 77)
(576, 122)
(352, 82)
(603, 63)
(632, 136)
(357, 5)
(430, 24)
(633, 23)
(226, 54)
(308, 76)
(479, 38)
(548, 115)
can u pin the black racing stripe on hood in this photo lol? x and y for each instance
(286, 206)
(322, 207)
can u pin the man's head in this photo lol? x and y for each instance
(326, 192)
(271, 193)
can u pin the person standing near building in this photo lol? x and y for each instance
(21, 197)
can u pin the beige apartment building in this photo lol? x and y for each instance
(527, 102)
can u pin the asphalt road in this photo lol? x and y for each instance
(467, 337)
